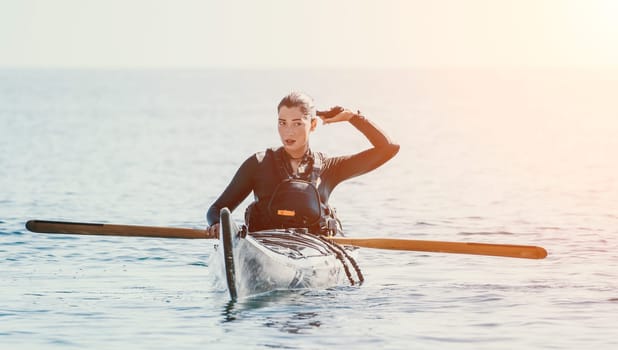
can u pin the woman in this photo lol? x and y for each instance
(264, 173)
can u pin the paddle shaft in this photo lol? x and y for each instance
(83, 228)
(505, 250)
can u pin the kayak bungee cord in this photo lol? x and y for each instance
(330, 247)
(321, 245)
(352, 261)
(342, 255)
(311, 240)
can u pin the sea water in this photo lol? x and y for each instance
(496, 156)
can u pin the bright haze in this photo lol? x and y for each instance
(308, 34)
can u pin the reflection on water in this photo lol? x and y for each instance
(229, 311)
(288, 311)
(233, 310)
(296, 323)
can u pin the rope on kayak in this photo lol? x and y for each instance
(342, 255)
(331, 247)
(334, 248)
(352, 261)
(320, 244)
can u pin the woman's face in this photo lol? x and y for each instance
(294, 129)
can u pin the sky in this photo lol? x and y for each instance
(308, 33)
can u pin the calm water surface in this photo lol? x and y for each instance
(522, 157)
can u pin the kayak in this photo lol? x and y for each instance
(264, 261)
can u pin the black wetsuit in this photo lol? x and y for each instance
(261, 173)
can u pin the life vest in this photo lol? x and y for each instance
(296, 203)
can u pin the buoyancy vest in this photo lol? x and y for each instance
(296, 202)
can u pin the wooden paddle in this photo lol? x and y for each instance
(86, 228)
(506, 250)
(80, 228)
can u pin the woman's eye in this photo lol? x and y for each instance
(281, 123)
(298, 124)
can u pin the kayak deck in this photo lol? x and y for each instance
(264, 261)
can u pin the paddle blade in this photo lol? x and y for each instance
(82, 228)
(505, 250)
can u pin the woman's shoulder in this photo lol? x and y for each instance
(262, 156)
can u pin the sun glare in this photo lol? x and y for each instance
(594, 28)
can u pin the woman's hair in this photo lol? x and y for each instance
(299, 99)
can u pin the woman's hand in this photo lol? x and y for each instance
(212, 231)
(342, 115)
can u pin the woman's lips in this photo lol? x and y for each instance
(289, 142)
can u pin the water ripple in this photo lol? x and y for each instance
(487, 233)
(59, 291)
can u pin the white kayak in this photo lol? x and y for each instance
(263, 261)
